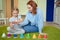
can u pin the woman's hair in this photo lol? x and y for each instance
(33, 5)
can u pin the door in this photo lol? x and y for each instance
(56, 14)
(9, 4)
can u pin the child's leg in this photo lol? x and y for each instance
(10, 30)
(19, 30)
(16, 31)
(17, 27)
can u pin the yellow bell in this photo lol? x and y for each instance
(34, 36)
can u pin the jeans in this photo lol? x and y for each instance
(30, 28)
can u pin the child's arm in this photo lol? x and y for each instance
(17, 21)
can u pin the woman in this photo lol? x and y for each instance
(34, 19)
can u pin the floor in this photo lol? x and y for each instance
(52, 24)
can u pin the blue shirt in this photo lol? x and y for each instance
(36, 19)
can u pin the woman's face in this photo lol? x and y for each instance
(29, 8)
(15, 13)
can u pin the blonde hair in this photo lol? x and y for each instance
(14, 9)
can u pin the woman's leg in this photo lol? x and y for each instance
(30, 28)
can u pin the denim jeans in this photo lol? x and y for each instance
(30, 28)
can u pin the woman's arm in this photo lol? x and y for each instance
(40, 21)
(25, 21)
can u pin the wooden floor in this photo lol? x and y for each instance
(52, 24)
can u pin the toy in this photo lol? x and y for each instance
(3, 35)
(15, 36)
(34, 36)
(28, 35)
(21, 36)
(39, 36)
(45, 36)
(9, 35)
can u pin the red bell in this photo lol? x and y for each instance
(45, 36)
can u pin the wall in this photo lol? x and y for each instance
(0, 4)
(2, 7)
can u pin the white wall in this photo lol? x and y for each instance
(23, 7)
(2, 7)
(0, 4)
(42, 6)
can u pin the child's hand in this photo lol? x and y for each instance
(20, 20)
(11, 25)
(15, 22)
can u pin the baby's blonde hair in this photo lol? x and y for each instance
(14, 9)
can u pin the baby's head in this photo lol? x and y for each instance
(15, 12)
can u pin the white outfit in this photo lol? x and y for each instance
(18, 29)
